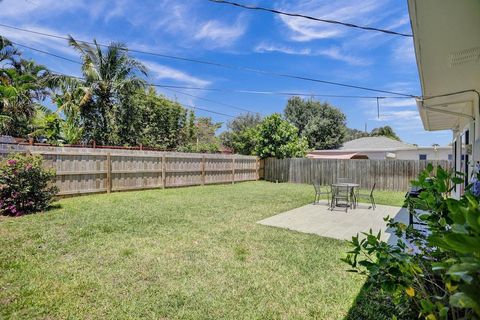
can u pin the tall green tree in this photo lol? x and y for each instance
(110, 74)
(162, 121)
(240, 134)
(279, 138)
(323, 125)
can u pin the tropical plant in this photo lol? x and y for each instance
(24, 84)
(109, 75)
(278, 138)
(25, 186)
(435, 271)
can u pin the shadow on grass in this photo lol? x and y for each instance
(54, 206)
(373, 303)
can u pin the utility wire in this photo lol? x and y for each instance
(253, 70)
(345, 24)
(210, 100)
(171, 87)
(144, 94)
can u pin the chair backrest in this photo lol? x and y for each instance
(317, 187)
(373, 188)
(340, 190)
(344, 180)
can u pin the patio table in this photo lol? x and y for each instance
(351, 189)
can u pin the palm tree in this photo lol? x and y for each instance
(7, 51)
(109, 74)
(23, 85)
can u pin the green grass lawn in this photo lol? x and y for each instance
(188, 253)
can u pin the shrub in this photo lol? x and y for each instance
(435, 272)
(25, 186)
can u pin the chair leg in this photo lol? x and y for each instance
(372, 200)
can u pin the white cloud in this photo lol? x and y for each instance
(334, 53)
(38, 41)
(164, 72)
(403, 115)
(221, 34)
(398, 103)
(403, 50)
(265, 47)
(20, 10)
(306, 30)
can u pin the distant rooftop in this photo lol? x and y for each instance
(376, 143)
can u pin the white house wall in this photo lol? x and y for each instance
(440, 154)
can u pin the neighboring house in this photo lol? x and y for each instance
(446, 36)
(381, 148)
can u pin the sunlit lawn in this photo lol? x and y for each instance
(187, 253)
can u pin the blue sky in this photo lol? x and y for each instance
(204, 30)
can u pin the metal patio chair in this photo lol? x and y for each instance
(321, 190)
(368, 196)
(340, 195)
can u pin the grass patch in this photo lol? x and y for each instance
(188, 253)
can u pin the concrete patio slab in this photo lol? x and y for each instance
(338, 224)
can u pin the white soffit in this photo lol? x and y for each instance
(447, 48)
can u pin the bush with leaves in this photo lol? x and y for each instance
(276, 137)
(436, 271)
(25, 186)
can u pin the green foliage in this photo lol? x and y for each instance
(352, 134)
(278, 138)
(241, 133)
(110, 75)
(440, 276)
(161, 123)
(201, 136)
(25, 186)
(23, 84)
(385, 131)
(323, 125)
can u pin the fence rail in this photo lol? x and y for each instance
(394, 175)
(81, 171)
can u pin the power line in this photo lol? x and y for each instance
(46, 52)
(345, 24)
(253, 70)
(210, 100)
(144, 94)
(171, 87)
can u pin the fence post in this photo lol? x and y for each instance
(257, 167)
(233, 170)
(164, 172)
(203, 170)
(109, 173)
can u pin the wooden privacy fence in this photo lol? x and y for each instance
(392, 175)
(82, 170)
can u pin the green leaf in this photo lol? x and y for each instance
(462, 300)
(463, 243)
